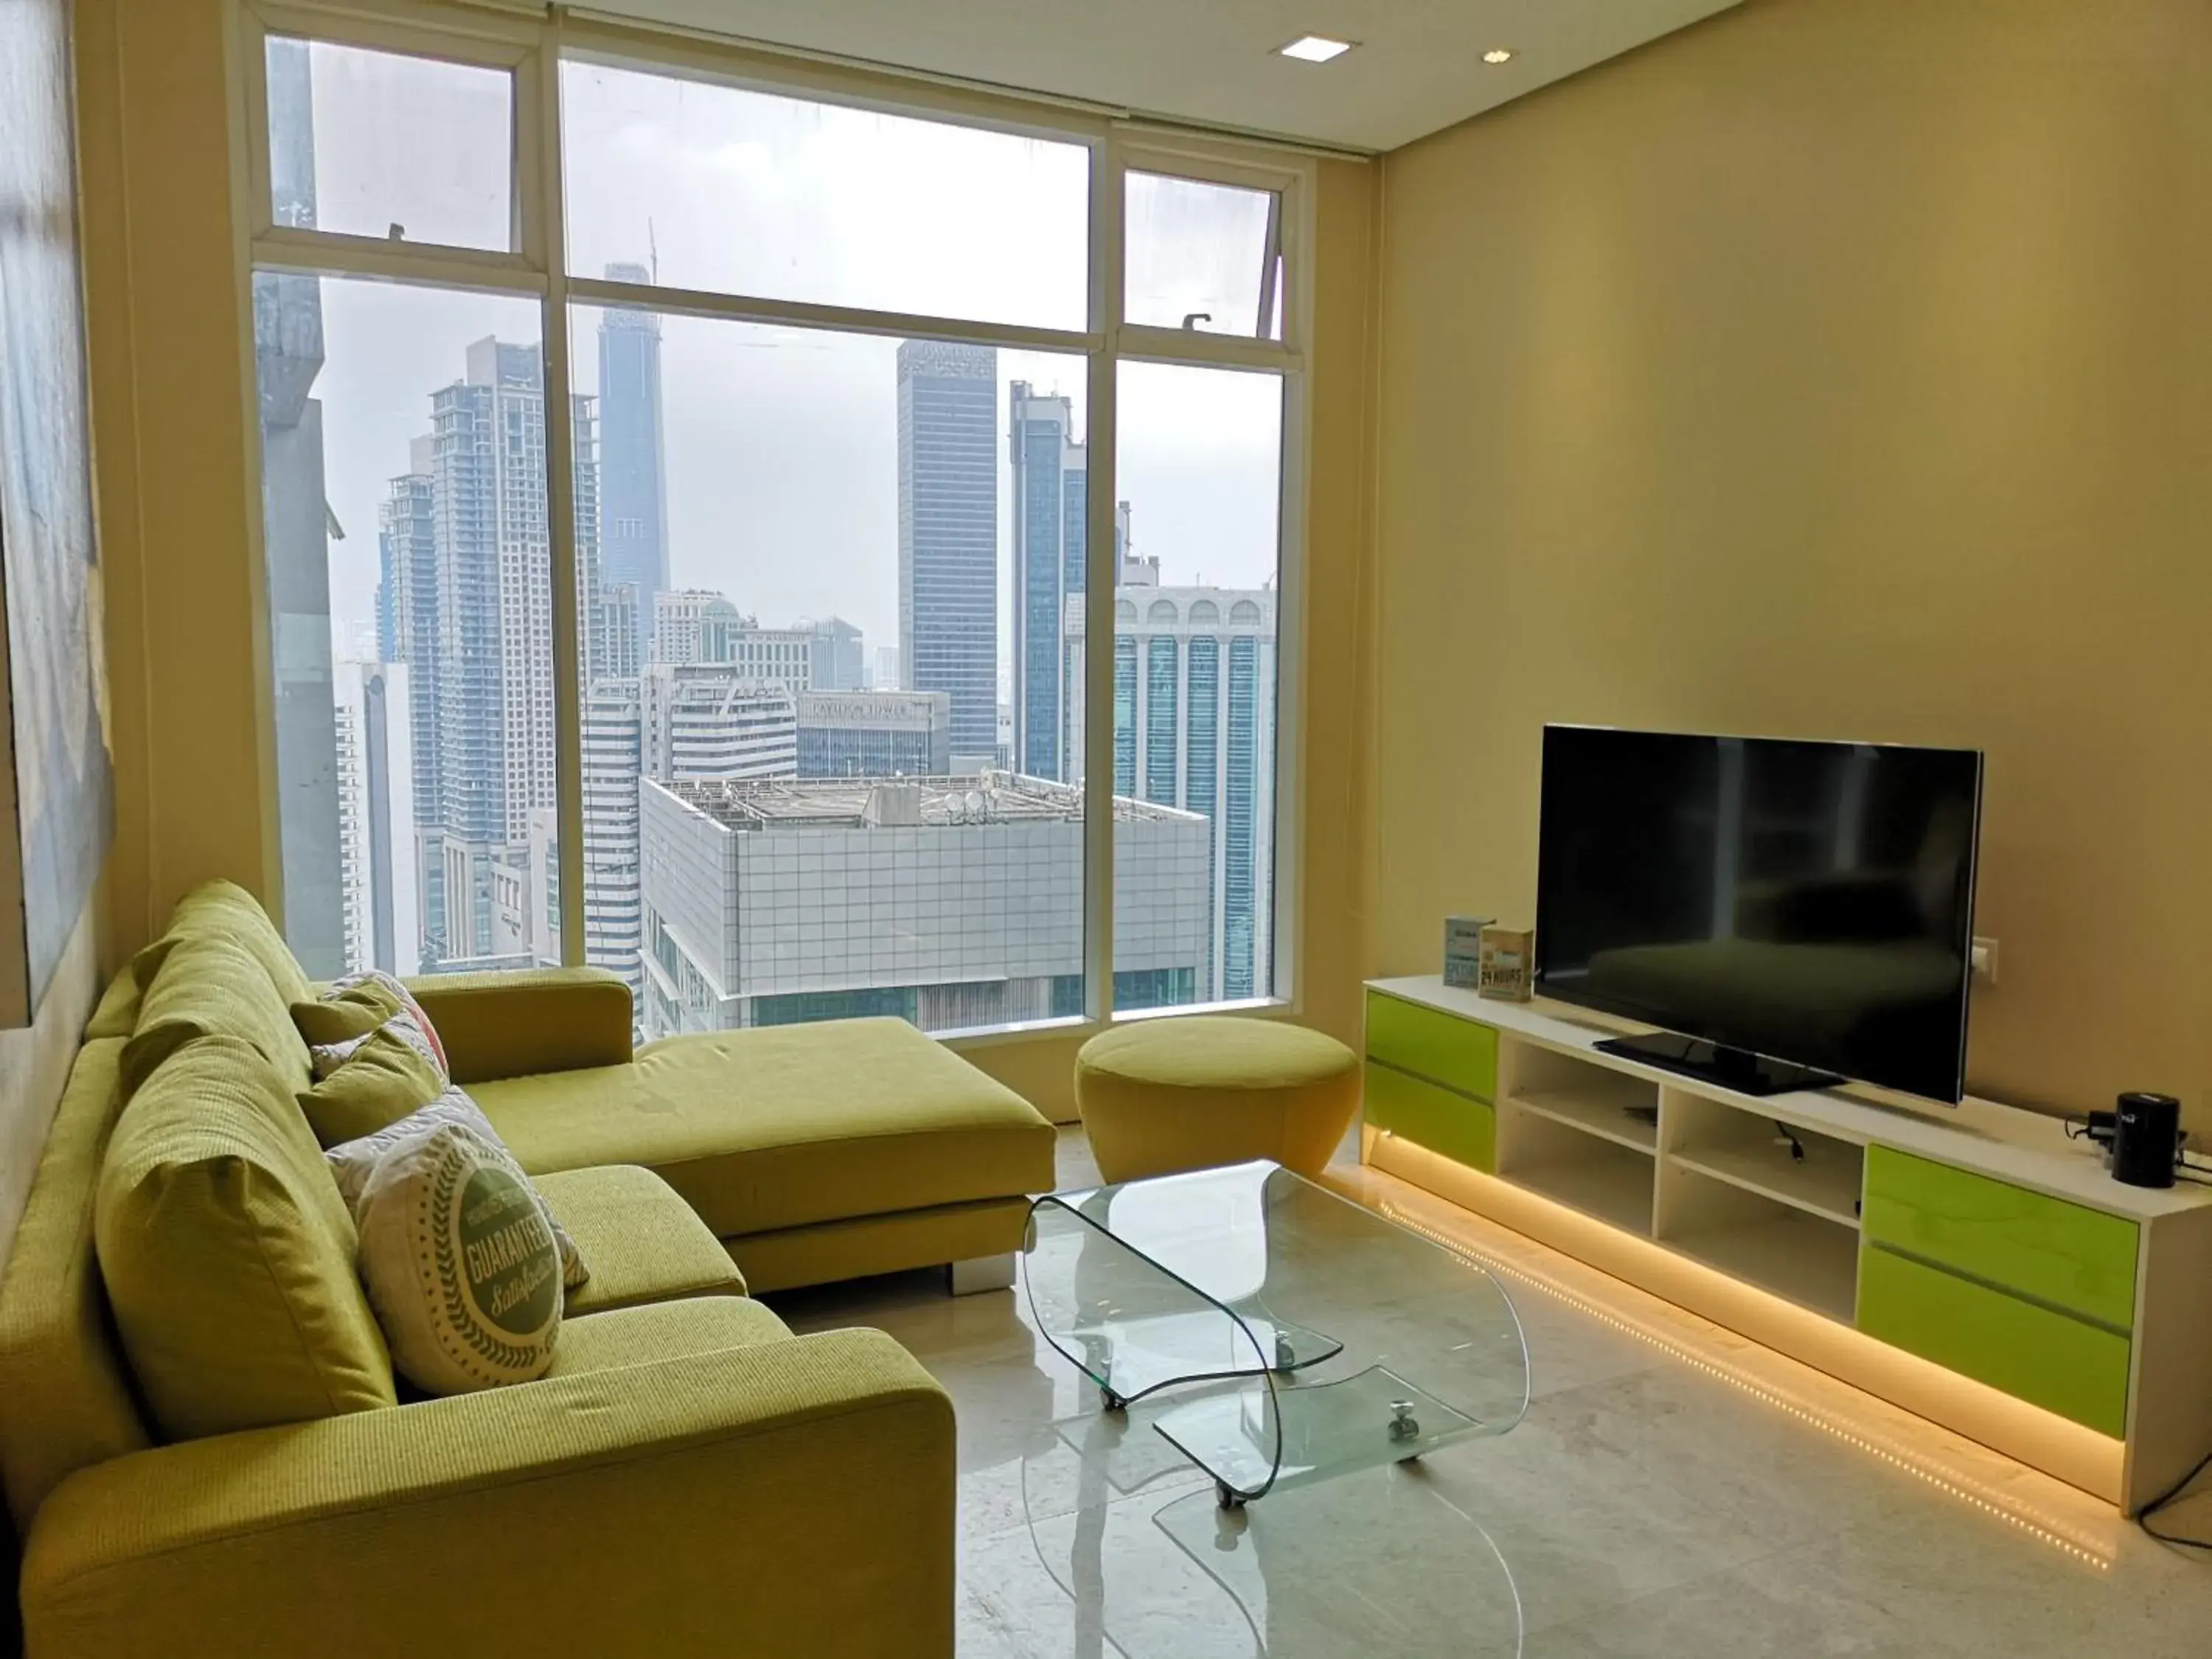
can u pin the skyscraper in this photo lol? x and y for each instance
(472, 571)
(689, 625)
(613, 747)
(840, 658)
(620, 634)
(708, 722)
(634, 470)
(698, 627)
(948, 492)
(376, 817)
(1051, 494)
(1195, 727)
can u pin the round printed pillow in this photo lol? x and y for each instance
(459, 1264)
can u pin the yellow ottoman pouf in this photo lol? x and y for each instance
(1164, 1095)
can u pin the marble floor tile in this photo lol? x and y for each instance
(1674, 1491)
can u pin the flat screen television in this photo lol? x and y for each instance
(1791, 914)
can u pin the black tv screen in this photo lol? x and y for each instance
(1810, 902)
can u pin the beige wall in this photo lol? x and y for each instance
(172, 373)
(1837, 368)
(172, 394)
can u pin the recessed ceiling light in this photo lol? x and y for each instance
(1498, 55)
(1315, 48)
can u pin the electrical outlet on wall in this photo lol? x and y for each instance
(1984, 960)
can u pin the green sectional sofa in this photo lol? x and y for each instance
(690, 1476)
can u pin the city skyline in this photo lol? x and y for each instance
(718, 698)
(780, 452)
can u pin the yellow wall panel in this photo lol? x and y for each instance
(1829, 369)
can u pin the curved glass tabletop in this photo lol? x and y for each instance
(1305, 1336)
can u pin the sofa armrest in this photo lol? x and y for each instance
(795, 1496)
(540, 1019)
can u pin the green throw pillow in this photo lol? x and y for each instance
(345, 1015)
(384, 1080)
(228, 1255)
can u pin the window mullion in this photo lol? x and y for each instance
(1144, 343)
(307, 252)
(1098, 578)
(253, 48)
(560, 506)
(806, 314)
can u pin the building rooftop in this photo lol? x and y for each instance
(889, 803)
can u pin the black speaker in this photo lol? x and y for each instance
(2147, 1140)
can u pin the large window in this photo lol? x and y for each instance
(687, 572)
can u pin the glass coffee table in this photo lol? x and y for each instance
(1284, 1334)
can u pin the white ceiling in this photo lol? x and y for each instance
(1418, 66)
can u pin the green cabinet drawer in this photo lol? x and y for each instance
(2064, 1364)
(1462, 1129)
(1456, 1053)
(2049, 1251)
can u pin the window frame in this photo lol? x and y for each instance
(532, 51)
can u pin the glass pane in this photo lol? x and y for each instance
(1201, 477)
(1203, 257)
(403, 438)
(799, 799)
(711, 187)
(372, 144)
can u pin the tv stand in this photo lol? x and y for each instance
(1971, 1264)
(1739, 1069)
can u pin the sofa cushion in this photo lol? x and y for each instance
(384, 1078)
(117, 1016)
(644, 1242)
(666, 1330)
(209, 984)
(460, 1265)
(224, 907)
(784, 1126)
(65, 1397)
(335, 1025)
(353, 1162)
(228, 1253)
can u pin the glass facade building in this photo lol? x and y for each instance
(948, 536)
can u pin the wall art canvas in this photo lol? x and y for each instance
(55, 776)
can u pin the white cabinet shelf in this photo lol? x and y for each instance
(1753, 1152)
(1827, 1184)
(1606, 1114)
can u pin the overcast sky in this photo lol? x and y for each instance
(781, 444)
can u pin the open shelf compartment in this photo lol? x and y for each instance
(1798, 1167)
(1594, 1174)
(1801, 1254)
(1596, 1100)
